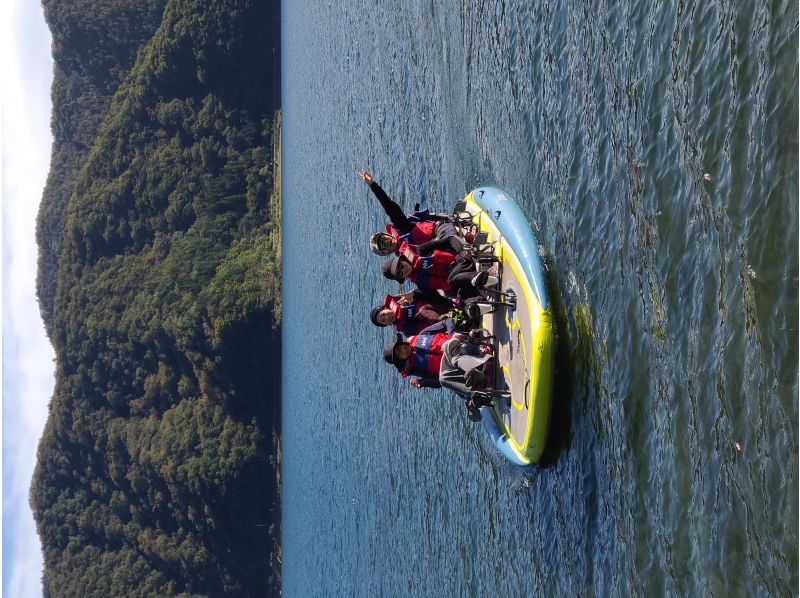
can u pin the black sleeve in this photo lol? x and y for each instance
(427, 296)
(429, 382)
(455, 244)
(428, 247)
(393, 211)
(437, 216)
(437, 302)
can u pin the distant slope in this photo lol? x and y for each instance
(157, 469)
(94, 47)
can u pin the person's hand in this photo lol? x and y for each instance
(414, 382)
(459, 337)
(366, 176)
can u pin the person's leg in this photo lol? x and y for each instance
(470, 361)
(459, 360)
(450, 376)
(462, 272)
(447, 230)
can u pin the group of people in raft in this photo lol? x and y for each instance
(437, 340)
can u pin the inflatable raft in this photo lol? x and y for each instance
(523, 329)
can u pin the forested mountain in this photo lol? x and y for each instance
(94, 47)
(159, 282)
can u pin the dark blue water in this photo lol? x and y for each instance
(653, 147)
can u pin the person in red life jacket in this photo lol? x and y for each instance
(420, 355)
(411, 312)
(441, 270)
(415, 229)
(438, 357)
(386, 243)
(427, 272)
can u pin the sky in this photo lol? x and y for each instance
(27, 357)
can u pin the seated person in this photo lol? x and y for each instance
(454, 274)
(437, 357)
(416, 229)
(386, 243)
(411, 312)
(467, 366)
(428, 272)
(419, 355)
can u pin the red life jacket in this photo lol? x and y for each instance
(404, 316)
(421, 233)
(429, 272)
(426, 357)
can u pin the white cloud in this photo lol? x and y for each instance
(27, 355)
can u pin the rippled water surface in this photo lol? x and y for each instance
(654, 148)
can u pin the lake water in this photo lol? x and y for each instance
(654, 148)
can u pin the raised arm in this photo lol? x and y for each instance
(393, 211)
